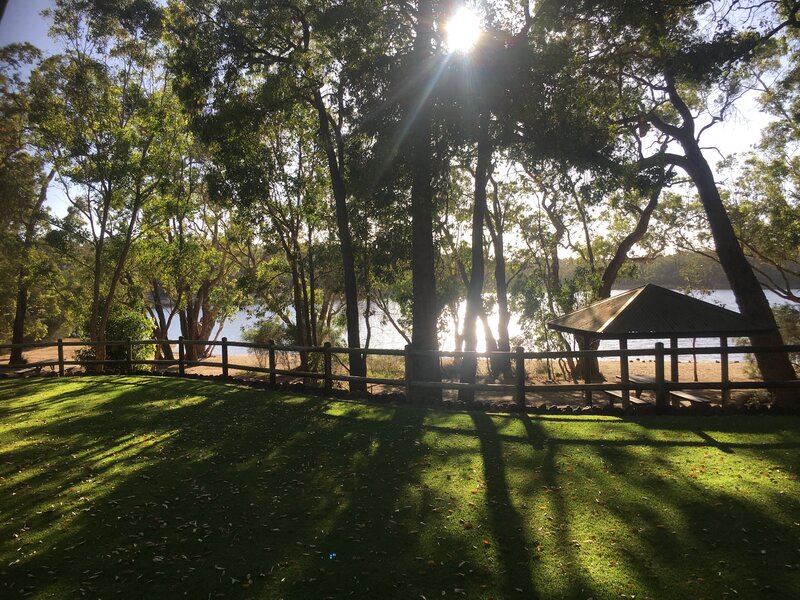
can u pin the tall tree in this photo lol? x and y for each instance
(653, 65)
(273, 170)
(107, 122)
(418, 114)
(23, 185)
(283, 54)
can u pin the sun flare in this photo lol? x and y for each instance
(463, 30)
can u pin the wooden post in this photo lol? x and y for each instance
(624, 375)
(587, 369)
(128, 356)
(661, 390)
(409, 373)
(673, 361)
(224, 358)
(326, 354)
(519, 377)
(60, 357)
(181, 356)
(723, 368)
(271, 346)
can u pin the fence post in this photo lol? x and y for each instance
(673, 361)
(60, 357)
(587, 369)
(624, 374)
(224, 358)
(128, 356)
(181, 356)
(271, 346)
(723, 368)
(519, 377)
(409, 373)
(326, 355)
(661, 390)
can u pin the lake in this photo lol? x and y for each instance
(385, 336)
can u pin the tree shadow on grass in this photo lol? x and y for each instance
(505, 521)
(184, 486)
(662, 517)
(162, 489)
(159, 487)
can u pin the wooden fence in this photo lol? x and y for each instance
(519, 388)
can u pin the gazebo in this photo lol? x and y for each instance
(651, 312)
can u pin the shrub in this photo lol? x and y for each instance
(124, 322)
(264, 331)
(788, 319)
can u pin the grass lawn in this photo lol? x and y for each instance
(141, 487)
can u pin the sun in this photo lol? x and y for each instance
(463, 30)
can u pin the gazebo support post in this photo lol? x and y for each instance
(661, 388)
(623, 371)
(673, 359)
(587, 369)
(723, 370)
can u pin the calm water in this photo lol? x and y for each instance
(385, 336)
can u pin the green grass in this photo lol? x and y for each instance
(158, 487)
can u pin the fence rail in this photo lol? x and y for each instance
(519, 388)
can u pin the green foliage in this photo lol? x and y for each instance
(788, 319)
(264, 332)
(107, 121)
(124, 323)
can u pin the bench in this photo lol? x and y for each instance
(687, 397)
(37, 369)
(632, 400)
(30, 370)
(679, 397)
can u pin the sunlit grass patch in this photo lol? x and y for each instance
(156, 487)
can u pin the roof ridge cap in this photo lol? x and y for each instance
(633, 297)
(599, 302)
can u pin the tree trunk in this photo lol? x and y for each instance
(477, 270)
(495, 365)
(300, 317)
(423, 275)
(162, 323)
(335, 168)
(96, 324)
(750, 297)
(494, 222)
(18, 333)
(621, 254)
(21, 309)
(312, 284)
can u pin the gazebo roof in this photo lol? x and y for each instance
(652, 311)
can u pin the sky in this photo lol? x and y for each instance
(22, 23)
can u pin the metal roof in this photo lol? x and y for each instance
(652, 311)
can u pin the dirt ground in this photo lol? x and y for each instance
(392, 368)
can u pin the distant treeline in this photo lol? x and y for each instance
(680, 270)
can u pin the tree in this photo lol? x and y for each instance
(283, 54)
(23, 185)
(652, 66)
(107, 121)
(187, 258)
(273, 171)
